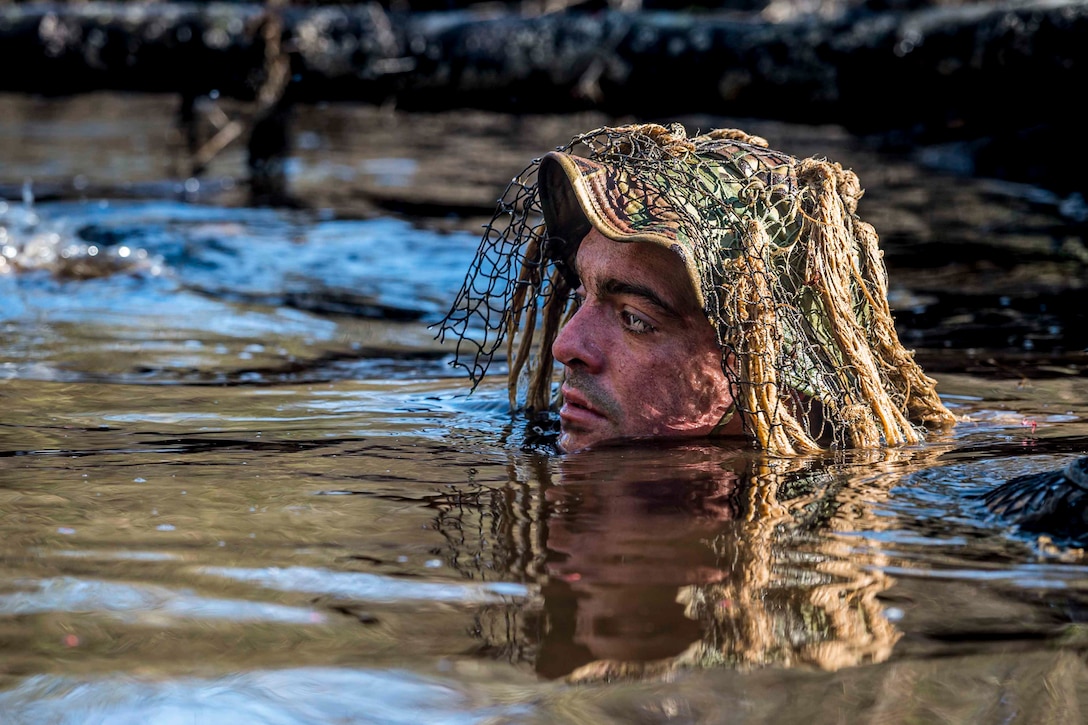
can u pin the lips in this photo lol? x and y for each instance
(577, 410)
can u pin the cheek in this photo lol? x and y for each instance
(673, 382)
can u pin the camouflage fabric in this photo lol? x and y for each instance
(791, 279)
(694, 207)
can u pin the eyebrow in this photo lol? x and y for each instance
(613, 286)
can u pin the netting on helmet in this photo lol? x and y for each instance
(792, 281)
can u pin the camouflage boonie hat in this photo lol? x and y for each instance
(791, 280)
(705, 194)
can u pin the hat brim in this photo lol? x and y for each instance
(578, 194)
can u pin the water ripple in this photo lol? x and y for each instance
(373, 587)
(270, 697)
(139, 602)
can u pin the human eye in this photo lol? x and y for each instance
(633, 323)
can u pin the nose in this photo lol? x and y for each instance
(576, 344)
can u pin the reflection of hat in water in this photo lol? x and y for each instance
(791, 279)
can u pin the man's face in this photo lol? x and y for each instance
(641, 358)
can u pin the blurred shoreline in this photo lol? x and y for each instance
(986, 276)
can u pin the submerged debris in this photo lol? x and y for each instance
(1054, 503)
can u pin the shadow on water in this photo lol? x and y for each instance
(239, 479)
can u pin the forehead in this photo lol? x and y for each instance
(601, 261)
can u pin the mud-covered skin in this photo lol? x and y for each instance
(1054, 503)
(639, 355)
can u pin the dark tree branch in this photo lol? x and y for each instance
(988, 65)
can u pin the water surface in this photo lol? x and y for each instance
(239, 479)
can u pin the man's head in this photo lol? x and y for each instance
(677, 279)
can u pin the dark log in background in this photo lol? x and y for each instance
(1005, 79)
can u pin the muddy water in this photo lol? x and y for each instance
(239, 480)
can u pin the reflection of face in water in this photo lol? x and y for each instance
(627, 529)
(664, 556)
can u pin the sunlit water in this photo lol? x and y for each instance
(240, 482)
